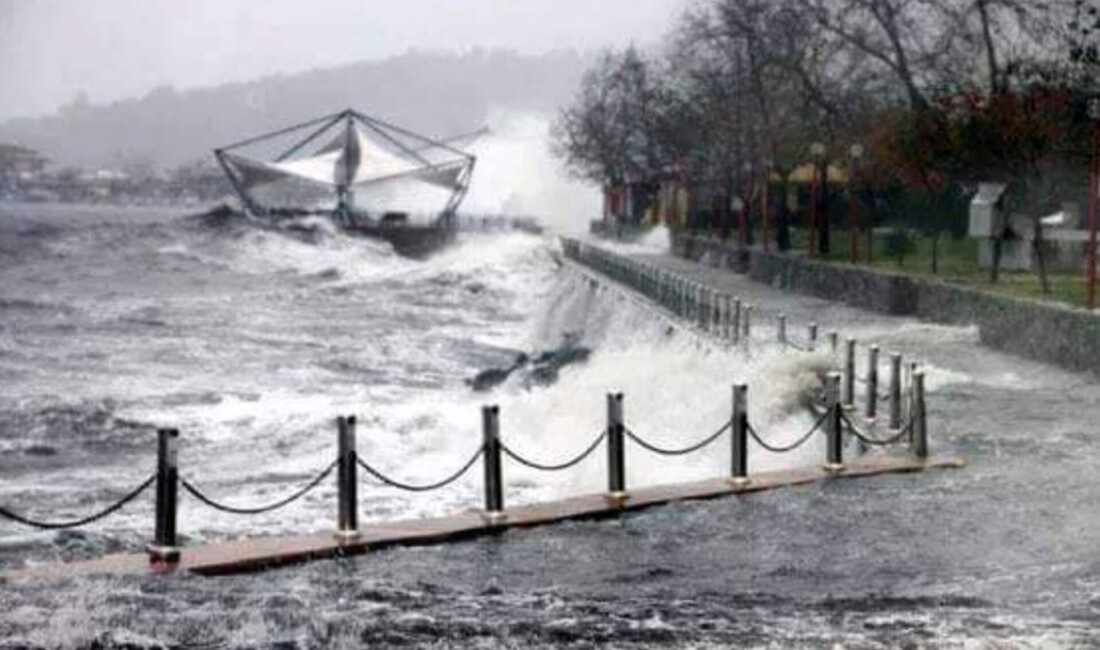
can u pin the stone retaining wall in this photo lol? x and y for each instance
(1052, 333)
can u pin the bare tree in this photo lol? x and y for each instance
(608, 132)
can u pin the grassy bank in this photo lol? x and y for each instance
(957, 263)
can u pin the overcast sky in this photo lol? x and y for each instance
(113, 49)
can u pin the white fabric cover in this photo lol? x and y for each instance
(447, 177)
(352, 158)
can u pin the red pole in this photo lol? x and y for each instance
(812, 230)
(742, 223)
(1094, 187)
(853, 248)
(746, 209)
(765, 205)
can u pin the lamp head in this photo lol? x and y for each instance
(1094, 109)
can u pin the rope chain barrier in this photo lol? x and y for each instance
(408, 487)
(54, 525)
(782, 449)
(552, 467)
(237, 510)
(677, 452)
(824, 411)
(878, 442)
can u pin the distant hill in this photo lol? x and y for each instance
(439, 94)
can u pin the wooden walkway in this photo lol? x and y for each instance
(260, 553)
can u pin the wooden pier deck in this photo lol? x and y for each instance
(260, 553)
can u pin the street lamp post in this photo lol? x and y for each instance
(817, 153)
(765, 205)
(746, 206)
(1094, 188)
(853, 204)
(737, 206)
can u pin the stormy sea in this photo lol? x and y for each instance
(251, 339)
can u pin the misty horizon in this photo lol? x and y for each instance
(82, 101)
(53, 54)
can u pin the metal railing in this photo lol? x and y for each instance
(729, 319)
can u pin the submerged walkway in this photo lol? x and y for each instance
(267, 552)
(255, 554)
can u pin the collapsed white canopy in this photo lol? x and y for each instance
(351, 159)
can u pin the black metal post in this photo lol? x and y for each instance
(910, 372)
(834, 444)
(849, 373)
(920, 419)
(812, 334)
(347, 508)
(781, 330)
(727, 309)
(165, 547)
(895, 391)
(736, 320)
(616, 452)
(704, 308)
(494, 484)
(872, 383)
(739, 426)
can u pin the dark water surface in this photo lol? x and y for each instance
(1002, 554)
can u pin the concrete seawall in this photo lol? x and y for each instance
(1047, 332)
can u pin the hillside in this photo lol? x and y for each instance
(439, 94)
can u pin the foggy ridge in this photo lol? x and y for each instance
(436, 93)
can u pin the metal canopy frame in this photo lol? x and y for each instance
(319, 126)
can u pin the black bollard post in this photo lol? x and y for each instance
(781, 330)
(871, 411)
(494, 479)
(739, 426)
(347, 502)
(616, 450)
(849, 373)
(704, 315)
(747, 319)
(704, 309)
(895, 391)
(736, 320)
(910, 372)
(165, 547)
(920, 418)
(834, 443)
(727, 307)
(812, 335)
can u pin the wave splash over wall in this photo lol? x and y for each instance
(252, 339)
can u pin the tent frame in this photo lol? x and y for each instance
(321, 125)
